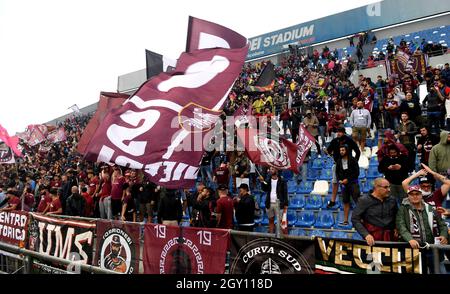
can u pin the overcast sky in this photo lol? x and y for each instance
(55, 53)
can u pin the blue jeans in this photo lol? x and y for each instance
(206, 172)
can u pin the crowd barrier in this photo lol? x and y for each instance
(34, 243)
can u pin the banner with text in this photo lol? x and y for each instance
(354, 256)
(13, 227)
(63, 238)
(118, 246)
(265, 255)
(183, 250)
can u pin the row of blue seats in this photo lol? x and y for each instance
(315, 232)
(324, 219)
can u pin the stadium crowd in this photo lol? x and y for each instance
(325, 102)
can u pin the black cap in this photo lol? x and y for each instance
(12, 192)
(244, 186)
(342, 130)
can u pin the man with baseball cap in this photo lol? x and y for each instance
(434, 198)
(418, 223)
(245, 209)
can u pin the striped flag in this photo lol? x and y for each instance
(403, 57)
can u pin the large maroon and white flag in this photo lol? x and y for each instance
(6, 154)
(161, 128)
(107, 102)
(36, 134)
(277, 151)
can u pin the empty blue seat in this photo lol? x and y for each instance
(262, 201)
(373, 173)
(298, 201)
(291, 217)
(313, 202)
(368, 186)
(305, 218)
(292, 188)
(261, 229)
(298, 232)
(326, 174)
(318, 233)
(287, 174)
(324, 219)
(312, 174)
(339, 235)
(362, 173)
(318, 163)
(305, 187)
(373, 161)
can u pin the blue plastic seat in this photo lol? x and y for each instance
(368, 186)
(373, 173)
(324, 220)
(261, 229)
(326, 174)
(362, 173)
(314, 202)
(312, 174)
(291, 217)
(287, 174)
(298, 201)
(318, 163)
(305, 218)
(373, 161)
(298, 232)
(339, 235)
(318, 233)
(305, 187)
(262, 201)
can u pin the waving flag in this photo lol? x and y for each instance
(157, 63)
(57, 135)
(277, 152)
(11, 142)
(108, 101)
(36, 134)
(266, 80)
(305, 142)
(6, 154)
(161, 128)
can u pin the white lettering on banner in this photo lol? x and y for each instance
(13, 219)
(60, 249)
(118, 134)
(280, 38)
(12, 233)
(197, 74)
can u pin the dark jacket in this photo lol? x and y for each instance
(75, 205)
(375, 212)
(245, 210)
(352, 171)
(336, 143)
(412, 108)
(281, 191)
(170, 207)
(296, 119)
(395, 177)
(427, 224)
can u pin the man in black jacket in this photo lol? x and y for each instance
(395, 170)
(245, 209)
(334, 150)
(75, 204)
(374, 215)
(276, 188)
(347, 173)
(296, 119)
(170, 210)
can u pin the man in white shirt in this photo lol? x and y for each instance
(360, 121)
(276, 188)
